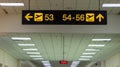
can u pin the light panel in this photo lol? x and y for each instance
(111, 5)
(86, 56)
(92, 49)
(73, 66)
(21, 38)
(101, 39)
(38, 58)
(75, 62)
(33, 53)
(26, 44)
(11, 4)
(48, 66)
(89, 53)
(85, 59)
(96, 45)
(46, 63)
(30, 49)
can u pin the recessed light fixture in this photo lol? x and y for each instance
(26, 44)
(92, 49)
(21, 38)
(101, 39)
(88, 53)
(111, 5)
(48, 66)
(46, 63)
(37, 58)
(11, 4)
(86, 56)
(73, 65)
(33, 53)
(96, 45)
(30, 49)
(75, 62)
(84, 59)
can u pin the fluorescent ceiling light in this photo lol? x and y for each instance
(21, 38)
(75, 62)
(26, 44)
(33, 53)
(73, 65)
(92, 49)
(11, 4)
(86, 56)
(37, 58)
(48, 66)
(111, 5)
(84, 59)
(101, 39)
(31, 49)
(45, 62)
(92, 45)
(89, 53)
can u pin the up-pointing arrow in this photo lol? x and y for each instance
(27, 16)
(100, 17)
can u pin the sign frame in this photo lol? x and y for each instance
(58, 17)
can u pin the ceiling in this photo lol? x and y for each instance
(59, 5)
(50, 45)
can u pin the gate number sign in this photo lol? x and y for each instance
(64, 17)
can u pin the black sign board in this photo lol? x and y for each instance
(64, 17)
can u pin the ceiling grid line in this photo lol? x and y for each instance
(50, 5)
(37, 4)
(76, 4)
(89, 5)
(69, 46)
(63, 4)
(44, 48)
(52, 46)
(38, 45)
(78, 47)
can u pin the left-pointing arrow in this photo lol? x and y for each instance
(27, 16)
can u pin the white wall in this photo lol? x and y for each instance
(114, 61)
(8, 60)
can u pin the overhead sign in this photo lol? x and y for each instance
(64, 17)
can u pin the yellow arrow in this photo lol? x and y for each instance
(27, 16)
(100, 17)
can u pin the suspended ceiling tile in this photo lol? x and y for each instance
(42, 4)
(83, 4)
(94, 5)
(57, 4)
(70, 4)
